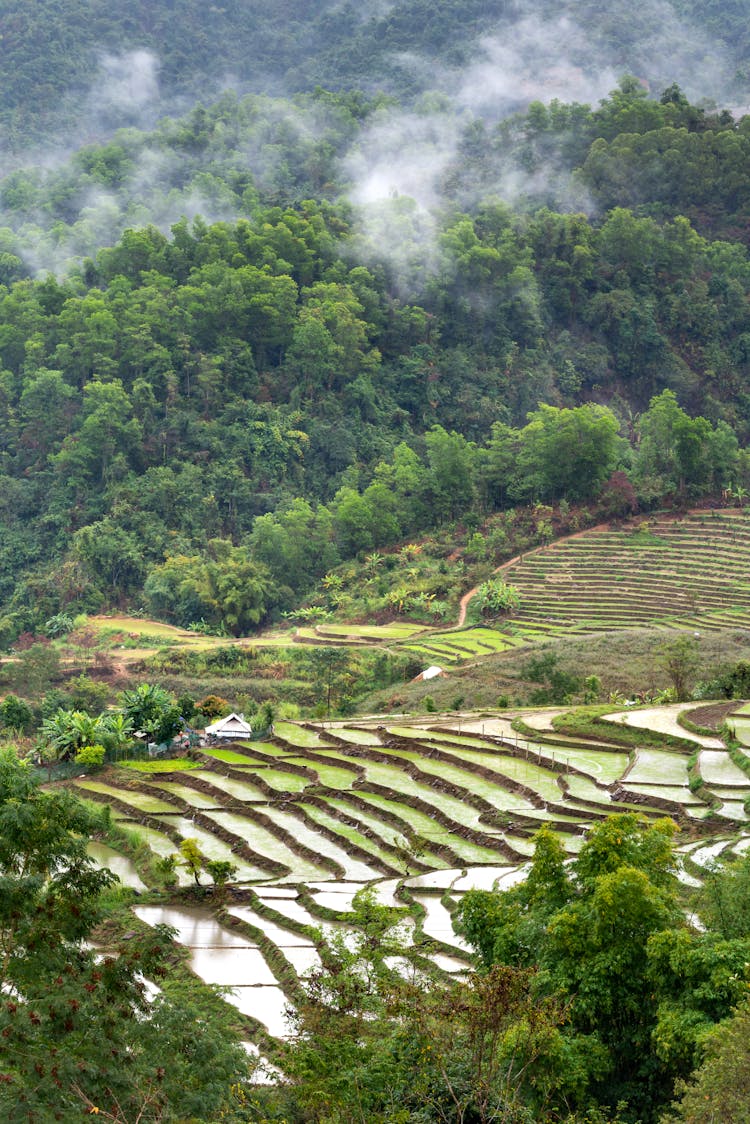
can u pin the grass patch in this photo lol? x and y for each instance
(230, 757)
(161, 765)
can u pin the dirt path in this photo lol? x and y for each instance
(464, 602)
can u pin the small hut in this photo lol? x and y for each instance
(231, 728)
(433, 672)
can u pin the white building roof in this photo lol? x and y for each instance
(233, 726)
(432, 672)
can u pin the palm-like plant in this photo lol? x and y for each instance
(117, 730)
(68, 730)
(151, 709)
(739, 494)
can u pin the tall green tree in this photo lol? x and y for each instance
(566, 452)
(78, 1034)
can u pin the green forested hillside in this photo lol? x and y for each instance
(319, 313)
(306, 378)
(259, 336)
(56, 52)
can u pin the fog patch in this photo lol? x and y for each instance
(124, 92)
(403, 154)
(532, 60)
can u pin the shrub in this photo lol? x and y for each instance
(15, 713)
(59, 625)
(263, 720)
(496, 596)
(213, 706)
(735, 682)
(289, 711)
(86, 694)
(91, 756)
(558, 685)
(186, 705)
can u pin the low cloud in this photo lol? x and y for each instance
(124, 92)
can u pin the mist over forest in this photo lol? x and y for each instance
(256, 256)
(314, 317)
(433, 77)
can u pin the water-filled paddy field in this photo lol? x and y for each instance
(413, 808)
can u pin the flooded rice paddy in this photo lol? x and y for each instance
(351, 819)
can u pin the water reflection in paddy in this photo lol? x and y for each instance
(142, 801)
(357, 737)
(214, 848)
(317, 842)
(284, 938)
(267, 1004)
(437, 921)
(263, 840)
(733, 810)
(295, 735)
(119, 864)
(195, 927)
(228, 959)
(717, 767)
(235, 967)
(241, 790)
(450, 964)
(303, 958)
(340, 895)
(163, 846)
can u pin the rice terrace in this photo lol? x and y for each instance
(422, 808)
(420, 811)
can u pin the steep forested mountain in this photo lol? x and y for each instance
(90, 64)
(316, 309)
(262, 334)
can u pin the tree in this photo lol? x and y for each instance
(371, 1044)
(595, 930)
(495, 597)
(77, 1031)
(192, 859)
(687, 454)
(557, 685)
(719, 1090)
(15, 714)
(295, 544)
(32, 671)
(567, 452)
(70, 730)
(221, 871)
(116, 732)
(111, 556)
(151, 709)
(223, 586)
(680, 659)
(330, 668)
(449, 480)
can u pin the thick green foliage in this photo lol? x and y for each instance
(606, 935)
(175, 399)
(77, 1032)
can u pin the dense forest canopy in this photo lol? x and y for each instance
(411, 268)
(97, 64)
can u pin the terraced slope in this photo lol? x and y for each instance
(421, 811)
(691, 572)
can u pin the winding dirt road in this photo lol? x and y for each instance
(463, 604)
